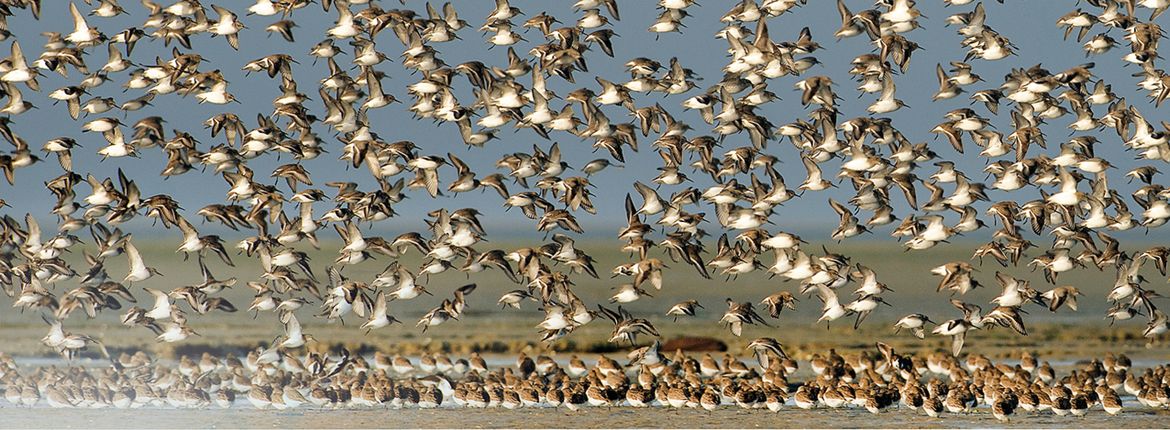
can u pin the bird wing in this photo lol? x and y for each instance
(79, 24)
(134, 258)
(957, 343)
(18, 55)
(161, 300)
(466, 289)
(292, 327)
(379, 306)
(34, 232)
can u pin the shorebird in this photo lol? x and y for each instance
(514, 298)
(956, 277)
(957, 330)
(739, 314)
(193, 242)
(139, 271)
(628, 293)
(68, 344)
(915, 323)
(176, 331)
(379, 317)
(626, 327)
(765, 348)
(832, 309)
(437, 316)
(863, 306)
(776, 303)
(293, 336)
(83, 35)
(1061, 296)
(684, 308)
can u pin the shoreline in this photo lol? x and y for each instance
(510, 336)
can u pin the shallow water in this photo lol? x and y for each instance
(726, 417)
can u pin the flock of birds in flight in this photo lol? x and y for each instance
(1070, 199)
(1065, 194)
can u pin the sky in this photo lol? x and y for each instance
(1031, 26)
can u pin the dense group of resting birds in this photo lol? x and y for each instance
(932, 384)
(721, 136)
